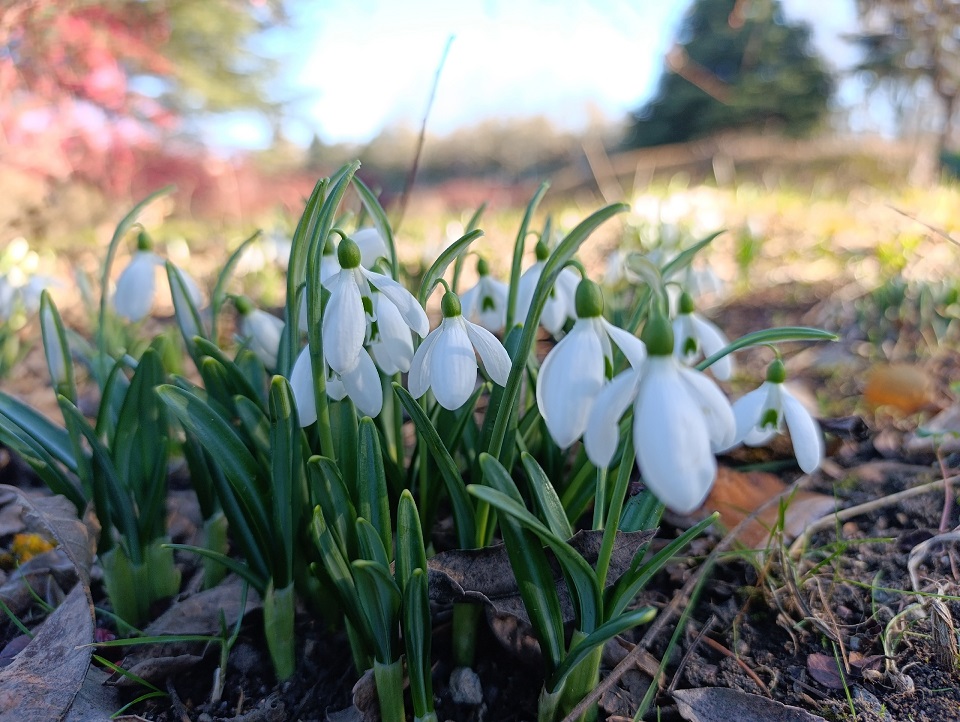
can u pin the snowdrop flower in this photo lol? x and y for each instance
(761, 414)
(136, 286)
(695, 337)
(261, 330)
(350, 308)
(576, 368)
(361, 384)
(372, 248)
(680, 420)
(486, 303)
(560, 304)
(446, 361)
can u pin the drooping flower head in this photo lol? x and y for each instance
(577, 368)
(446, 361)
(361, 384)
(136, 286)
(695, 338)
(680, 419)
(350, 308)
(261, 330)
(763, 412)
(560, 305)
(486, 303)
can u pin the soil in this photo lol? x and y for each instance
(835, 626)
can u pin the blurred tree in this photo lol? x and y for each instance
(909, 43)
(736, 64)
(85, 82)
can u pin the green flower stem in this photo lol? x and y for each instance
(214, 539)
(464, 628)
(583, 678)
(551, 271)
(548, 706)
(615, 511)
(600, 499)
(279, 606)
(518, 252)
(125, 225)
(768, 336)
(389, 679)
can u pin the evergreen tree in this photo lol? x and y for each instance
(736, 64)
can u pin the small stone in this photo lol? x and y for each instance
(465, 686)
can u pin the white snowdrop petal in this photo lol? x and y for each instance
(410, 309)
(631, 346)
(491, 304)
(601, 437)
(525, 288)
(453, 365)
(569, 380)
(469, 300)
(721, 423)
(393, 351)
(671, 439)
(494, 356)
(805, 433)
(746, 412)
(711, 340)
(683, 333)
(301, 383)
(264, 331)
(362, 384)
(344, 324)
(418, 381)
(133, 296)
(372, 246)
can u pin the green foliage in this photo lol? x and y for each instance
(736, 65)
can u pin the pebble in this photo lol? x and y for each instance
(465, 686)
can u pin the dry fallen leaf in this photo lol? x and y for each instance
(42, 682)
(905, 387)
(484, 575)
(721, 704)
(736, 495)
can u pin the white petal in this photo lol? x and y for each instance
(453, 365)
(264, 331)
(363, 386)
(683, 335)
(393, 351)
(601, 437)
(134, 293)
(633, 348)
(409, 307)
(712, 339)
(469, 300)
(301, 383)
(805, 433)
(495, 358)
(569, 381)
(525, 288)
(344, 323)
(418, 381)
(746, 411)
(721, 423)
(491, 305)
(329, 267)
(372, 246)
(671, 438)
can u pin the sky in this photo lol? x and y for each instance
(351, 68)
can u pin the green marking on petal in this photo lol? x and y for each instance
(487, 304)
(689, 346)
(769, 419)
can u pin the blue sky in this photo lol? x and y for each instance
(353, 67)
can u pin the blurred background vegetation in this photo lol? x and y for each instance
(101, 101)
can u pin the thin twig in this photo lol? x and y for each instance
(412, 175)
(686, 656)
(715, 645)
(854, 511)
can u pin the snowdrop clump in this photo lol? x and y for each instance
(136, 286)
